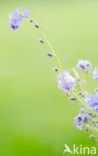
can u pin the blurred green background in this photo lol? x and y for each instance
(36, 119)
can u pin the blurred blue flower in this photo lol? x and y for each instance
(83, 64)
(60, 76)
(95, 74)
(96, 90)
(68, 84)
(25, 12)
(92, 101)
(62, 86)
(79, 119)
(15, 18)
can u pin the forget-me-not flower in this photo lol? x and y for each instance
(67, 84)
(95, 74)
(80, 119)
(25, 12)
(16, 18)
(83, 64)
(60, 76)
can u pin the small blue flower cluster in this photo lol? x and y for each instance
(71, 84)
(95, 74)
(16, 18)
(80, 119)
(87, 116)
(83, 64)
(67, 83)
(92, 101)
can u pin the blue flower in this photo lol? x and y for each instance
(62, 86)
(25, 12)
(92, 101)
(96, 90)
(68, 84)
(60, 76)
(96, 108)
(79, 119)
(83, 64)
(96, 103)
(15, 18)
(95, 74)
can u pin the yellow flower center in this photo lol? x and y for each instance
(15, 18)
(71, 85)
(13, 25)
(63, 86)
(94, 73)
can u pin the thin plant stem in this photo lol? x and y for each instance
(83, 79)
(61, 69)
(78, 78)
(51, 48)
(82, 100)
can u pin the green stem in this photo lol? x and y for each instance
(50, 47)
(83, 79)
(60, 67)
(83, 101)
(93, 129)
(78, 77)
(52, 50)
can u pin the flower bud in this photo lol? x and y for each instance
(50, 54)
(30, 20)
(55, 69)
(36, 25)
(41, 41)
(88, 71)
(82, 110)
(86, 129)
(73, 98)
(96, 90)
(90, 113)
(78, 79)
(92, 137)
(81, 94)
(67, 93)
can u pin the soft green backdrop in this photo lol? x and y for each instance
(36, 119)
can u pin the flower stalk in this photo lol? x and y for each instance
(67, 83)
(74, 92)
